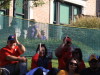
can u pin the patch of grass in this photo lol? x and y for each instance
(86, 64)
(28, 64)
(54, 63)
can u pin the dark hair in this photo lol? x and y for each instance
(80, 53)
(68, 63)
(42, 45)
(39, 71)
(67, 39)
(99, 58)
(53, 71)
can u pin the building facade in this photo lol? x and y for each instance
(62, 11)
(52, 11)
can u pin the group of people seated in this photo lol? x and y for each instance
(70, 61)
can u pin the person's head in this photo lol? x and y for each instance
(53, 71)
(42, 32)
(11, 41)
(32, 22)
(43, 52)
(77, 53)
(73, 65)
(93, 61)
(67, 40)
(99, 61)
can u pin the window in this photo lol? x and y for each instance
(20, 11)
(18, 6)
(64, 12)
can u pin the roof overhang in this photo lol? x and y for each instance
(77, 2)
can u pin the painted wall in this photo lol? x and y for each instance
(90, 8)
(42, 13)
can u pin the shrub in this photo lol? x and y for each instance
(88, 22)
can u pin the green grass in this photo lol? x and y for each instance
(29, 63)
(54, 63)
(87, 64)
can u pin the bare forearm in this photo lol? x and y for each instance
(22, 48)
(14, 58)
(59, 50)
(39, 34)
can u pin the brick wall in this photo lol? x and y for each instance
(41, 13)
(90, 8)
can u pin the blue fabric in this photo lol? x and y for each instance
(43, 37)
(31, 72)
(23, 68)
